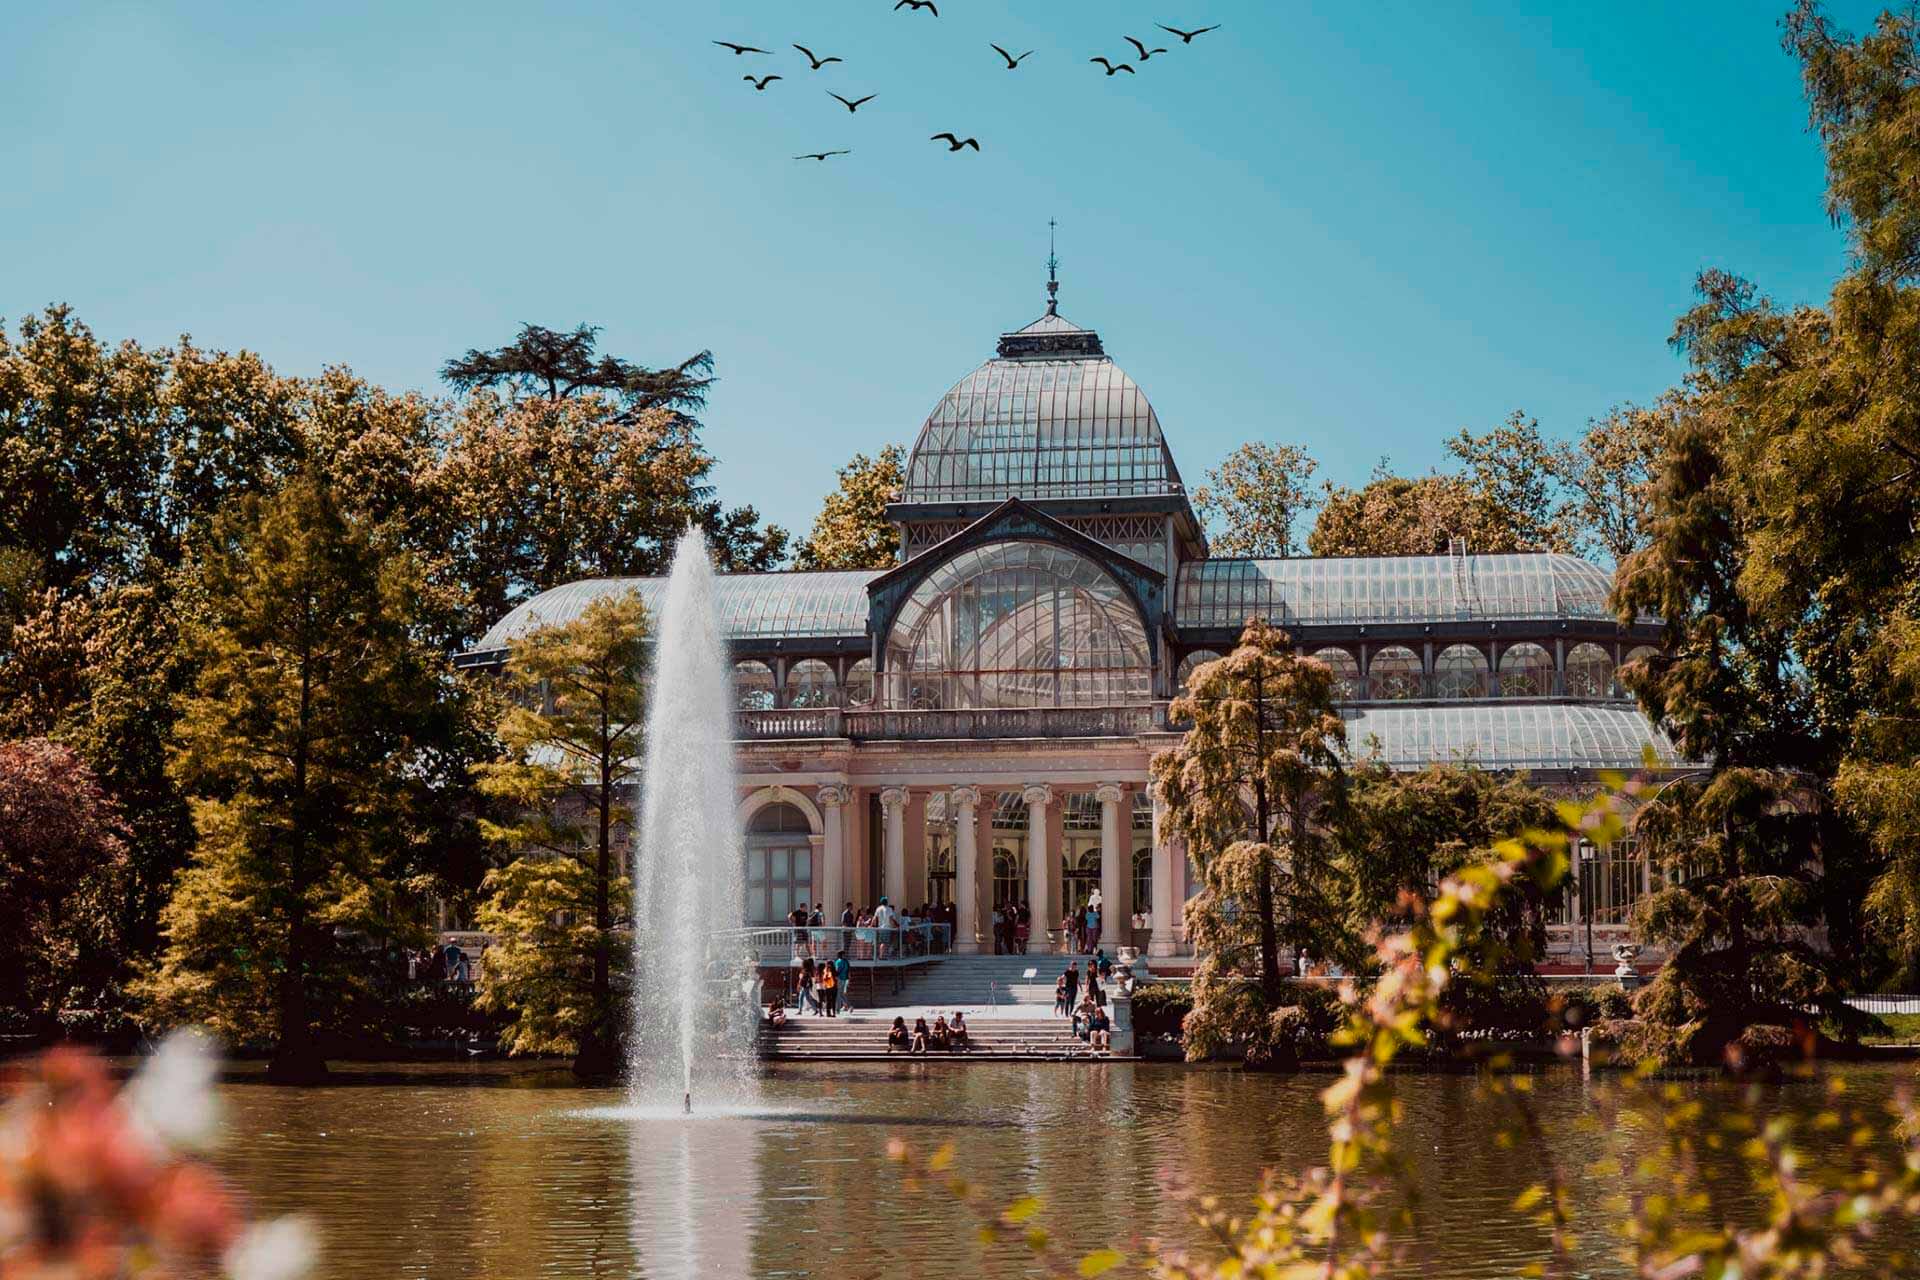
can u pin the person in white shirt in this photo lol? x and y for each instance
(885, 918)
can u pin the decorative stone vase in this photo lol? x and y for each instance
(1623, 955)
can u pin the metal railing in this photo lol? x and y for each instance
(986, 722)
(865, 945)
(1885, 1002)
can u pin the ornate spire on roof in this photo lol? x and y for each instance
(1053, 272)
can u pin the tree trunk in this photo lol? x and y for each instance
(1263, 815)
(296, 1054)
(598, 1056)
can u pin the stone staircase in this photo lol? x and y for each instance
(863, 1038)
(980, 982)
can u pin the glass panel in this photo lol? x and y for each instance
(753, 686)
(810, 684)
(780, 864)
(803, 866)
(1460, 671)
(1394, 674)
(1493, 735)
(1590, 672)
(1346, 672)
(1526, 671)
(859, 687)
(1018, 624)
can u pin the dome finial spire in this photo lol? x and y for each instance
(1053, 272)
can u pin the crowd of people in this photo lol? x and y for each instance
(882, 931)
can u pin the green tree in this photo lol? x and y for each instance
(63, 861)
(557, 365)
(539, 492)
(573, 738)
(1254, 498)
(1396, 516)
(852, 530)
(300, 745)
(1607, 477)
(1513, 468)
(1407, 831)
(1262, 726)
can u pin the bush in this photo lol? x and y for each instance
(1160, 1007)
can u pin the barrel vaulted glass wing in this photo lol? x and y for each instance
(1520, 586)
(753, 606)
(1508, 736)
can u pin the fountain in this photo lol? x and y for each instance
(687, 874)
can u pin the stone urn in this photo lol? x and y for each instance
(1623, 955)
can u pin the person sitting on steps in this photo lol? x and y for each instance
(897, 1037)
(1099, 1031)
(942, 1037)
(777, 1012)
(919, 1036)
(959, 1028)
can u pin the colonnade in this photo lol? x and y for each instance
(1044, 852)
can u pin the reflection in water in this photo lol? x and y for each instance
(441, 1180)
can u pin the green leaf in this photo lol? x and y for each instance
(1101, 1261)
(1021, 1210)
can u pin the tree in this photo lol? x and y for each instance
(300, 746)
(1608, 478)
(1397, 516)
(1739, 854)
(1263, 728)
(562, 365)
(1513, 468)
(1406, 832)
(1252, 500)
(63, 861)
(573, 738)
(538, 492)
(852, 530)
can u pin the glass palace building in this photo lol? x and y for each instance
(973, 725)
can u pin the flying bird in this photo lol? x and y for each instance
(817, 62)
(1111, 67)
(1145, 52)
(853, 105)
(739, 49)
(1186, 37)
(760, 84)
(953, 143)
(916, 4)
(822, 155)
(1012, 61)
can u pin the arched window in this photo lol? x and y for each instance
(859, 686)
(1346, 672)
(1394, 674)
(810, 684)
(1198, 657)
(779, 852)
(753, 686)
(1526, 671)
(1009, 876)
(1590, 672)
(1142, 881)
(1019, 624)
(1460, 671)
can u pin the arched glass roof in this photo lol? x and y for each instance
(1540, 735)
(753, 606)
(1049, 417)
(1362, 589)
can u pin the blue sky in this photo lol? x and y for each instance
(1354, 227)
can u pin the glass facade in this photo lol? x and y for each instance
(1225, 593)
(1017, 624)
(1039, 428)
(1493, 735)
(753, 606)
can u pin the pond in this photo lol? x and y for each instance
(490, 1171)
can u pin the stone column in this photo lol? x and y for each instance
(966, 870)
(1040, 853)
(1162, 942)
(1113, 868)
(833, 867)
(893, 878)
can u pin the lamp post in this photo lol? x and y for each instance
(1584, 852)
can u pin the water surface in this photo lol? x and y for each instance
(495, 1173)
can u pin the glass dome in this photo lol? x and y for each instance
(1493, 735)
(1050, 417)
(1361, 589)
(1017, 624)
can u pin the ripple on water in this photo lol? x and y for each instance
(437, 1180)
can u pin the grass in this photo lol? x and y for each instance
(1902, 1028)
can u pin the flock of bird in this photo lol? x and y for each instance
(954, 142)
